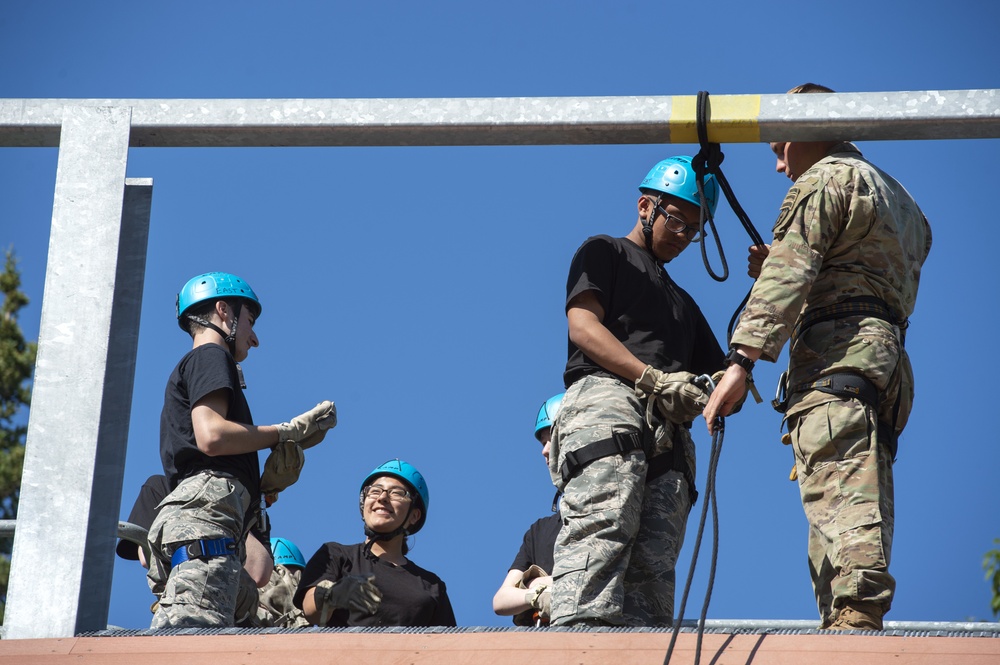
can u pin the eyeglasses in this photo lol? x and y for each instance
(676, 225)
(375, 492)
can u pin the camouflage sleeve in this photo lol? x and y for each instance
(810, 219)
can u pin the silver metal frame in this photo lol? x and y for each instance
(63, 553)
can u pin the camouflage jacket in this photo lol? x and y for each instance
(845, 229)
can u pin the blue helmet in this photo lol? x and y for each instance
(675, 176)
(215, 286)
(406, 472)
(547, 414)
(286, 553)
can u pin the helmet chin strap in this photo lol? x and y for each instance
(647, 226)
(373, 536)
(230, 337)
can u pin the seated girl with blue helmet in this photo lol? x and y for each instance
(373, 583)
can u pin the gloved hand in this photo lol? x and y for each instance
(540, 598)
(677, 397)
(309, 429)
(353, 592)
(282, 467)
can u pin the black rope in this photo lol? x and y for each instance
(709, 161)
(713, 465)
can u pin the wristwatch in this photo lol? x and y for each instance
(735, 356)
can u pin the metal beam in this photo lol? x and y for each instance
(929, 114)
(62, 561)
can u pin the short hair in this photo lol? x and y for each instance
(809, 87)
(201, 310)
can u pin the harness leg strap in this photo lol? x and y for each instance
(203, 549)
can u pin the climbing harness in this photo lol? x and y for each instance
(847, 384)
(203, 549)
(622, 443)
(710, 492)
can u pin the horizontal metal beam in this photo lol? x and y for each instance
(931, 114)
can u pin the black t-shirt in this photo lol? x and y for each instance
(203, 370)
(643, 308)
(539, 541)
(411, 596)
(144, 512)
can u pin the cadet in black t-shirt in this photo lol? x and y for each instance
(625, 467)
(525, 593)
(373, 583)
(208, 446)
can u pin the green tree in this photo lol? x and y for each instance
(991, 563)
(17, 360)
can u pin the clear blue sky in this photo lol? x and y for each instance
(422, 289)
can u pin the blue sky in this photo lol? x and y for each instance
(422, 289)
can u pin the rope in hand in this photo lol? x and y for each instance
(709, 161)
(710, 498)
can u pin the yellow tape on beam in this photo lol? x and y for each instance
(731, 119)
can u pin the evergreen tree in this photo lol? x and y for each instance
(991, 562)
(17, 360)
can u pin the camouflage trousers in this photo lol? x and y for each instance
(198, 592)
(845, 481)
(618, 545)
(276, 608)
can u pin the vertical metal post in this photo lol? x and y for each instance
(62, 561)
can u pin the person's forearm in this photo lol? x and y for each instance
(597, 342)
(214, 435)
(309, 608)
(259, 563)
(509, 601)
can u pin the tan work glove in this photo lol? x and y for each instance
(353, 592)
(540, 599)
(282, 468)
(677, 397)
(309, 429)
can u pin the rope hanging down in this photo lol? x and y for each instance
(709, 161)
(710, 498)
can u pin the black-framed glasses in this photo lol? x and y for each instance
(675, 224)
(375, 492)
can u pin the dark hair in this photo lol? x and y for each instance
(203, 310)
(809, 87)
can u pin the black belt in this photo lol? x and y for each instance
(856, 306)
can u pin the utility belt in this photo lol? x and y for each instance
(847, 384)
(871, 306)
(842, 384)
(622, 443)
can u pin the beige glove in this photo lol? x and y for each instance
(677, 397)
(309, 429)
(353, 592)
(282, 468)
(540, 598)
(534, 571)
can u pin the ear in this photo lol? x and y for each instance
(644, 206)
(415, 515)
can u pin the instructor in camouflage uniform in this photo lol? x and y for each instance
(624, 464)
(840, 281)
